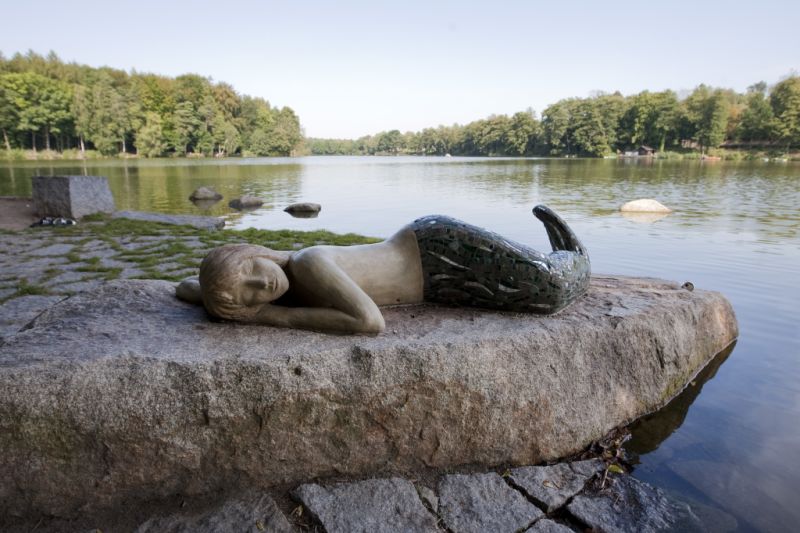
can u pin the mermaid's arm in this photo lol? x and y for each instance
(348, 308)
(188, 290)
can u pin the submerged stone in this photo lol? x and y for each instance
(125, 393)
(629, 505)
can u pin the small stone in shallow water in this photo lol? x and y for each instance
(205, 193)
(246, 202)
(628, 504)
(304, 207)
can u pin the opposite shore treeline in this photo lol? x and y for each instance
(77, 110)
(48, 104)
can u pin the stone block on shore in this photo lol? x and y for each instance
(71, 196)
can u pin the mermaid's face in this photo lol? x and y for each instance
(260, 281)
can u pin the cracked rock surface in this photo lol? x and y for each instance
(252, 513)
(551, 486)
(126, 394)
(371, 506)
(483, 502)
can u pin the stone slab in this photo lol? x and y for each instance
(251, 513)
(483, 502)
(548, 526)
(199, 222)
(371, 506)
(126, 393)
(552, 486)
(53, 250)
(71, 196)
(629, 505)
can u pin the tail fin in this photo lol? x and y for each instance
(560, 235)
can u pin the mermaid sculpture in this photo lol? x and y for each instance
(434, 259)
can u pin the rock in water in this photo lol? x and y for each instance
(246, 202)
(205, 193)
(304, 207)
(645, 205)
(125, 393)
(629, 505)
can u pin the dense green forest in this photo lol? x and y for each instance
(48, 104)
(764, 118)
(71, 108)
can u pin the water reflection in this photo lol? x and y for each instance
(650, 431)
(643, 218)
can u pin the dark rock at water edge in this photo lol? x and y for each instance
(71, 196)
(629, 505)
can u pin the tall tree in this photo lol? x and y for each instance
(42, 104)
(150, 140)
(785, 102)
(757, 121)
(8, 107)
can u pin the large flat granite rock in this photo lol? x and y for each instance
(126, 394)
(196, 221)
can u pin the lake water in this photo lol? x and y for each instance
(731, 441)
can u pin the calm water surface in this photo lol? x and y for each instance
(732, 440)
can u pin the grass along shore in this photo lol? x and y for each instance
(65, 260)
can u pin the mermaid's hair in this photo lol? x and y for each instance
(221, 270)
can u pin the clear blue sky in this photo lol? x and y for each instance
(353, 68)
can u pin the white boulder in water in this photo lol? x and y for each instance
(645, 205)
